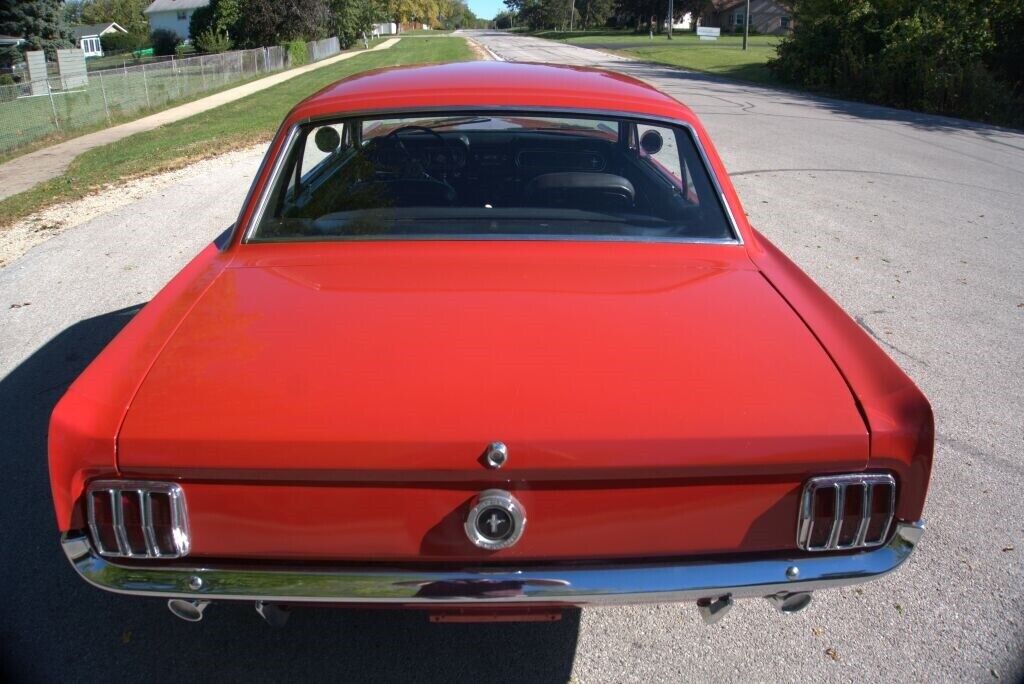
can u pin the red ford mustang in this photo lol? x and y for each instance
(490, 339)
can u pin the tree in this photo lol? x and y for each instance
(127, 13)
(39, 22)
(272, 22)
(73, 11)
(594, 13)
(940, 56)
(354, 18)
(219, 17)
(164, 41)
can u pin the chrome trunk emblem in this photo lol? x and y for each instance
(496, 521)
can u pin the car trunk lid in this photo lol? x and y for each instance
(402, 361)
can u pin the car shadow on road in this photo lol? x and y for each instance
(55, 627)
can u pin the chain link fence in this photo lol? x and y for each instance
(34, 110)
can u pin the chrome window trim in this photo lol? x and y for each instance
(840, 484)
(143, 490)
(250, 229)
(607, 583)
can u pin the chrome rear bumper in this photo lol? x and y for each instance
(604, 584)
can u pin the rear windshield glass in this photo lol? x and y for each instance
(486, 175)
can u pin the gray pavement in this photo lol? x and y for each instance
(911, 222)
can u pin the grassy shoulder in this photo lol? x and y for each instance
(723, 57)
(251, 120)
(42, 116)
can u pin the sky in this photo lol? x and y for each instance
(486, 9)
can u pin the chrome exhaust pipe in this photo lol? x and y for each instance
(187, 610)
(272, 613)
(788, 603)
(714, 609)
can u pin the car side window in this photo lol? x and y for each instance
(667, 157)
(322, 144)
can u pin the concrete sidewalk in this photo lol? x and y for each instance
(24, 172)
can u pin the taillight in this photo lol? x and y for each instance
(843, 512)
(130, 519)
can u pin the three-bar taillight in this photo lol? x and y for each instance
(843, 512)
(130, 519)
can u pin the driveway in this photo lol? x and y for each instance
(911, 222)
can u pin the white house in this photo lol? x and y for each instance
(173, 15)
(87, 36)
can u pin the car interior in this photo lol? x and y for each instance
(490, 175)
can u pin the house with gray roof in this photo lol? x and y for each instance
(172, 15)
(87, 36)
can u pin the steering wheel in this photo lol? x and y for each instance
(449, 157)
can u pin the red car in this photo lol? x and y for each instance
(489, 339)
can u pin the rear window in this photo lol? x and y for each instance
(524, 176)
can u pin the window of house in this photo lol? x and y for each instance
(182, 15)
(784, 22)
(738, 17)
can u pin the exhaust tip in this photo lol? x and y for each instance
(273, 614)
(790, 603)
(714, 609)
(189, 611)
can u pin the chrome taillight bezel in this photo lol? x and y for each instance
(179, 543)
(871, 485)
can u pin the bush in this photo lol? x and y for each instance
(935, 56)
(297, 52)
(164, 41)
(212, 41)
(124, 42)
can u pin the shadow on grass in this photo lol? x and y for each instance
(54, 627)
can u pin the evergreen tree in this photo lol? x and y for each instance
(39, 22)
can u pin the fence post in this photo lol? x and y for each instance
(106, 105)
(49, 91)
(241, 65)
(202, 71)
(145, 85)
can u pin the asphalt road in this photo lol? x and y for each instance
(911, 222)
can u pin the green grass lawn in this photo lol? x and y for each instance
(724, 57)
(229, 127)
(114, 96)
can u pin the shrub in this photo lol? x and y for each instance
(297, 52)
(164, 41)
(124, 42)
(212, 41)
(935, 57)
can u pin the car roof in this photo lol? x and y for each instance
(490, 84)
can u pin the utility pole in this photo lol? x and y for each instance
(671, 13)
(572, 13)
(746, 25)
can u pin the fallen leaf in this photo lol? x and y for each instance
(1008, 548)
(831, 653)
(817, 631)
(899, 609)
